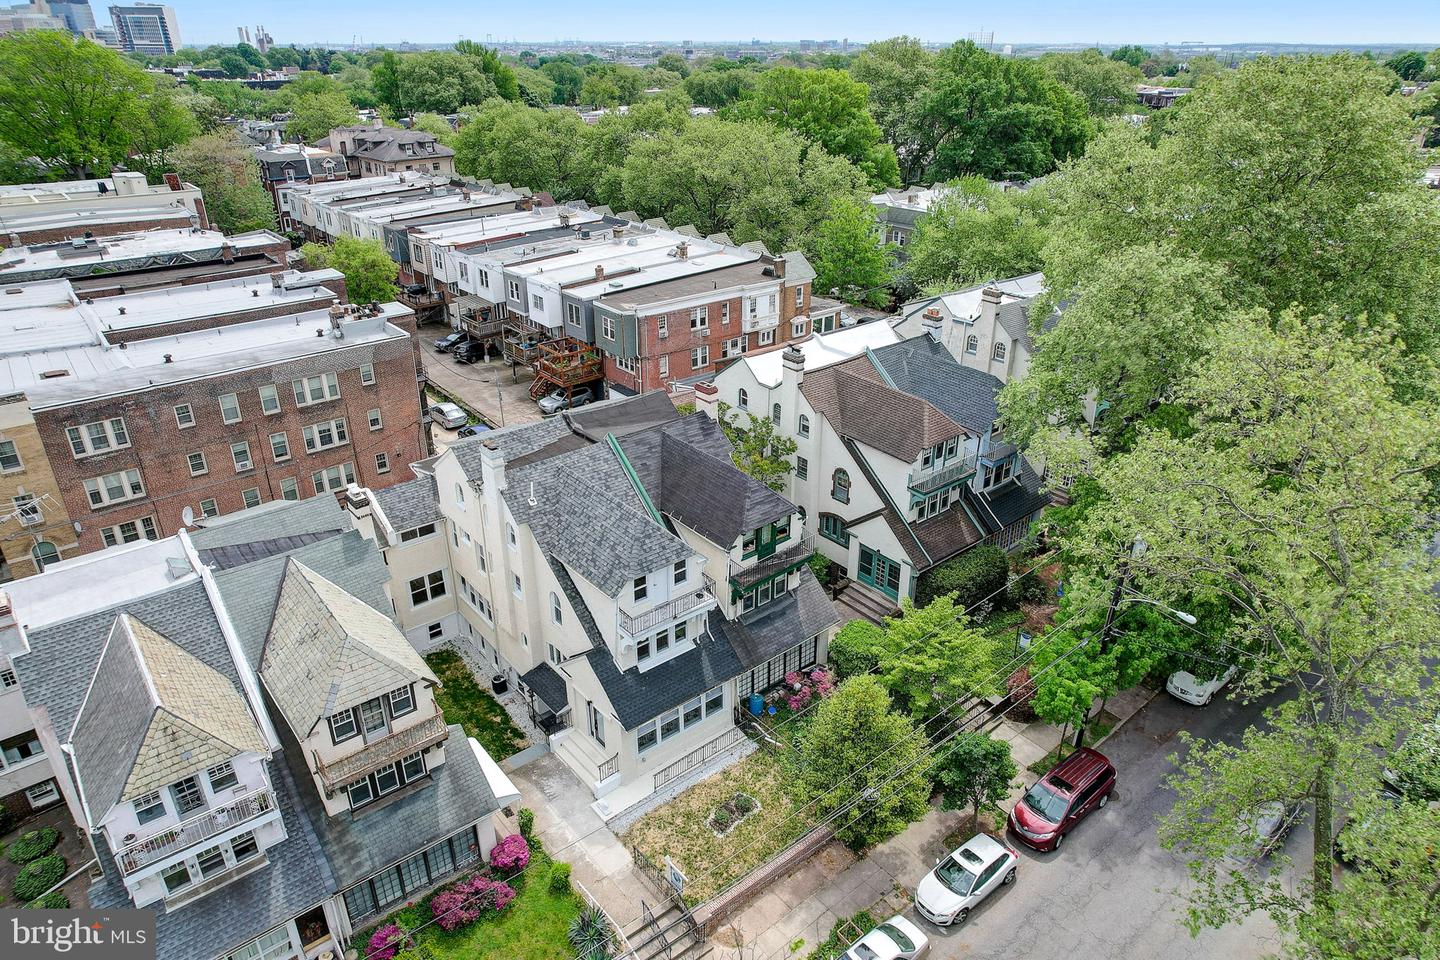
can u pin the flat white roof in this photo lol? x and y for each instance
(914, 198)
(79, 187)
(126, 246)
(161, 305)
(343, 189)
(965, 304)
(18, 218)
(501, 224)
(822, 349)
(97, 581)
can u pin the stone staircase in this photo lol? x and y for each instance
(669, 936)
(859, 602)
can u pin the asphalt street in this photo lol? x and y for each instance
(1111, 891)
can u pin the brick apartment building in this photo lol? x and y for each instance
(39, 213)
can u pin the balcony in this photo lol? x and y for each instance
(140, 853)
(788, 554)
(929, 480)
(672, 609)
(764, 321)
(382, 752)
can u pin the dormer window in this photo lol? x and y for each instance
(149, 808)
(641, 588)
(222, 777)
(402, 701)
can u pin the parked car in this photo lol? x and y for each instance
(556, 400)
(964, 878)
(895, 939)
(451, 340)
(1184, 685)
(448, 415)
(473, 429)
(1077, 786)
(1266, 826)
(469, 352)
(1413, 769)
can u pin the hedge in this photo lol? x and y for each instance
(560, 879)
(38, 876)
(856, 648)
(33, 845)
(976, 576)
(51, 901)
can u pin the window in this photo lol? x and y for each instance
(99, 437)
(607, 327)
(765, 591)
(642, 649)
(834, 528)
(692, 712)
(972, 345)
(413, 767)
(402, 701)
(512, 287)
(802, 468)
(415, 533)
(342, 726)
(555, 656)
(515, 584)
(222, 776)
(289, 489)
(28, 509)
(114, 488)
(595, 722)
(799, 298)
(664, 365)
(573, 317)
(367, 373)
(184, 416)
(251, 497)
(510, 534)
(208, 508)
(662, 327)
(187, 795)
(333, 478)
(176, 877)
(149, 808)
(680, 572)
(775, 414)
(229, 408)
(427, 588)
(240, 453)
(725, 312)
(373, 419)
(8, 678)
(9, 456)
(556, 616)
(734, 347)
(372, 719)
(244, 847)
(537, 302)
(645, 736)
(797, 329)
(700, 358)
(641, 588)
(714, 700)
(742, 399)
(840, 486)
(766, 337)
(280, 447)
(361, 793)
(699, 319)
(198, 464)
(670, 724)
(316, 389)
(933, 505)
(325, 435)
(129, 531)
(382, 463)
(269, 400)
(803, 426)
(999, 473)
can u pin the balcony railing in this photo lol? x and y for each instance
(787, 553)
(382, 752)
(672, 609)
(134, 856)
(928, 481)
(610, 767)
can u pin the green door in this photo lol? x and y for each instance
(880, 572)
(765, 542)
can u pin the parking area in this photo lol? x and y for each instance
(497, 392)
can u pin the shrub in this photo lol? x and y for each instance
(51, 901)
(1029, 589)
(856, 648)
(38, 876)
(468, 900)
(560, 879)
(721, 819)
(527, 822)
(511, 854)
(744, 802)
(591, 935)
(820, 567)
(976, 576)
(1021, 691)
(385, 943)
(33, 845)
(4, 819)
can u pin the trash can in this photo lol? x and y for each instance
(756, 703)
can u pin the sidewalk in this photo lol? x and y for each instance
(835, 884)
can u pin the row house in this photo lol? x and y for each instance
(899, 461)
(144, 435)
(615, 564)
(290, 163)
(27, 778)
(985, 327)
(308, 205)
(898, 210)
(40, 213)
(249, 743)
(109, 266)
(375, 150)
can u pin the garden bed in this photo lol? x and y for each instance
(465, 702)
(728, 815)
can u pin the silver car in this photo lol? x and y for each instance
(895, 939)
(448, 415)
(958, 883)
(556, 400)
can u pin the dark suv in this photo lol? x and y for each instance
(1079, 784)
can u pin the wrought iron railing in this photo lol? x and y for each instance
(701, 754)
(928, 481)
(386, 750)
(672, 609)
(786, 553)
(139, 853)
(610, 767)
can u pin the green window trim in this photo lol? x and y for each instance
(828, 523)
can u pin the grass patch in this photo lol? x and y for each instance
(532, 928)
(680, 830)
(845, 932)
(465, 702)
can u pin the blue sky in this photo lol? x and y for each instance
(1211, 21)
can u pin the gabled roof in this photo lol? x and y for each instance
(411, 504)
(327, 650)
(924, 368)
(154, 714)
(853, 397)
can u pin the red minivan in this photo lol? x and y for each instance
(1080, 783)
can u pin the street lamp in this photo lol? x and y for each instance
(1180, 615)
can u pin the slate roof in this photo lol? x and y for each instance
(779, 625)
(928, 543)
(649, 409)
(549, 685)
(926, 369)
(856, 402)
(278, 518)
(509, 442)
(384, 145)
(328, 650)
(241, 554)
(410, 504)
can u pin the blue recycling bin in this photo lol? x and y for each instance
(756, 704)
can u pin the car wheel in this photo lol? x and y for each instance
(962, 916)
(1058, 840)
(1104, 799)
(1009, 878)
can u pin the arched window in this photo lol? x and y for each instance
(840, 486)
(775, 414)
(44, 553)
(555, 613)
(972, 345)
(743, 401)
(999, 351)
(804, 427)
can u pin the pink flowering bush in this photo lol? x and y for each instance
(385, 942)
(468, 900)
(510, 854)
(803, 687)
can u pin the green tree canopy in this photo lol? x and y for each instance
(1130, 54)
(493, 67)
(975, 771)
(848, 256)
(543, 149)
(568, 80)
(227, 174)
(441, 82)
(369, 272)
(1407, 64)
(314, 115)
(978, 232)
(1106, 85)
(718, 88)
(935, 657)
(758, 449)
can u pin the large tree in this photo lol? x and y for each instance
(757, 447)
(849, 258)
(369, 272)
(977, 232)
(935, 658)
(440, 82)
(541, 149)
(314, 115)
(975, 771)
(226, 172)
(1106, 85)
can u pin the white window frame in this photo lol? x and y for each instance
(766, 337)
(374, 419)
(236, 449)
(188, 420)
(230, 412)
(382, 462)
(700, 357)
(98, 494)
(280, 446)
(14, 454)
(213, 510)
(83, 437)
(337, 428)
(333, 478)
(289, 489)
(269, 399)
(141, 529)
(327, 385)
(204, 466)
(251, 498)
(367, 374)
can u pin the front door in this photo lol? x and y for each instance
(765, 542)
(880, 572)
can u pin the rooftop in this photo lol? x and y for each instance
(23, 219)
(706, 275)
(501, 225)
(821, 350)
(126, 251)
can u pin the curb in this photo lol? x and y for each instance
(1121, 723)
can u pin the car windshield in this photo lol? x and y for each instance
(893, 932)
(955, 877)
(862, 951)
(1045, 802)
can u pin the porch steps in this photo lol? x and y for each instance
(670, 937)
(858, 602)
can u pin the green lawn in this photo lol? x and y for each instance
(532, 928)
(465, 702)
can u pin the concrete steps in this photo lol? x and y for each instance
(857, 601)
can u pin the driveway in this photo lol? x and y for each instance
(1111, 891)
(490, 388)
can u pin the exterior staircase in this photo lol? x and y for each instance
(859, 602)
(668, 935)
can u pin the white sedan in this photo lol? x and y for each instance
(1186, 686)
(448, 415)
(895, 939)
(964, 878)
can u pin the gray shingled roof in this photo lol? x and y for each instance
(408, 505)
(548, 685)
(278, 518)
(1020, 498)
(510, 442)
(620, 417)
(779, 625)
(925, 369)
(242, 554)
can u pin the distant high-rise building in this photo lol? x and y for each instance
(35, 15)
(263, 40)
(149, 28)
(78, 16)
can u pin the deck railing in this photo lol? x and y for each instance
(140, 853)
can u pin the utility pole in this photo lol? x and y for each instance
(1122, 577)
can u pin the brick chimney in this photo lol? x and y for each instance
(931, 323)
(599, 272)
(707, 396)
(780, 268)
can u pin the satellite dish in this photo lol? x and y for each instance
(187, 516)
